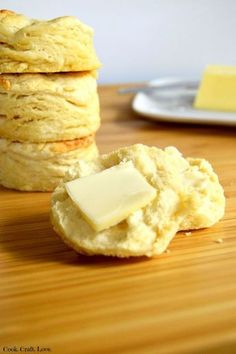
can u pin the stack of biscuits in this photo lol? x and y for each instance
(49, 106)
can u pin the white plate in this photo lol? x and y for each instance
(178, 108)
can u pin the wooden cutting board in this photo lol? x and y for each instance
(184, 301)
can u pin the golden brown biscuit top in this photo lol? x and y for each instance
(11, 22)
(60, 44)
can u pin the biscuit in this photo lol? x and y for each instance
(48, 107)
(40, 167)
(61, 44)
(189, 196)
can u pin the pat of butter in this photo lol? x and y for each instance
(108, 197)
(217, 89)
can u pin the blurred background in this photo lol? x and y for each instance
(139, 40)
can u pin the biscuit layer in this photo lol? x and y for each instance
(48, 107)
(40, 167)
(189, 196)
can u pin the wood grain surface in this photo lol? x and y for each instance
(53, 300)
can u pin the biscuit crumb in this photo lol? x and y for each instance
(189, 233)
(167, 251)
(219, 240)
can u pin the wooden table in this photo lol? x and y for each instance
(181, 302)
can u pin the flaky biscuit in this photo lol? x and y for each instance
(189, 196)
(48, 107)
(40, 167)
(61, 44)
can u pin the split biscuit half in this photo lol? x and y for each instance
(189, 196)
